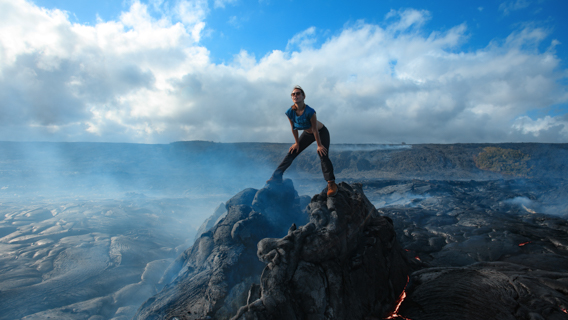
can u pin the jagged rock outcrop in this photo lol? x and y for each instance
(344, 264)
(472, 250)
(212, 278)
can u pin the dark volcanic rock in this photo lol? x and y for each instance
(491, 256)
(212, 278)
(344, 264)
(484, 291)
(246, 197)
(481, 248)
(458, 223)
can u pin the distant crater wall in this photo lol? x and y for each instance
(209, 167)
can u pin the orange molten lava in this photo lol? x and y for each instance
(417, 258)
(564, 310)
(394, 314)
(524, 243)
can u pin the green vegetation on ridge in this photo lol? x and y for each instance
(505, 161)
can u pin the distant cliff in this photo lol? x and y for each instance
(209, 167)
(422, 161)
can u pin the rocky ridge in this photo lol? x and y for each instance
(345, 263)
(212, 278)
(179, 168)
(472, 250)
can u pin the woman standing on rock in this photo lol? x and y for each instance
(302, 117)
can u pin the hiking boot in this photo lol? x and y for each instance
(331, 188)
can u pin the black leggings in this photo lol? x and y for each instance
(305, 140)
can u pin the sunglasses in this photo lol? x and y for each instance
(296, 93)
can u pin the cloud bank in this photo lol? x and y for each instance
(148, 80)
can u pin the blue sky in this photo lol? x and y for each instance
(262, 26)
(376, 71)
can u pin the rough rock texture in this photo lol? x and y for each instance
(490, 254)
(344, 264)
(458, 223)
(492, 290)
(213, 277)
(473, 249)
(75, 244)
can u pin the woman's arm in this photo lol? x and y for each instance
(322, 151)
(296, 146)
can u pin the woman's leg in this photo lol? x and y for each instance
(305, 140)
(326, 166)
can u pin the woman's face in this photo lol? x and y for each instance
(297, 96)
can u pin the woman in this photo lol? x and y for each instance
(302, 117)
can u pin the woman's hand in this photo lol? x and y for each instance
(322, 151)
(294, 148)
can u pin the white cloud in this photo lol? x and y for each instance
(513, 5)
(405, 19)
(546, 125)
(303, 40)
(141, 79)
(223, 3)
(192, 13)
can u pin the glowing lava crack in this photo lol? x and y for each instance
(394, 314)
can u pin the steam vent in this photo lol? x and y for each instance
(342, 262)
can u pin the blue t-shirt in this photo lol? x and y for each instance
(301, 122)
